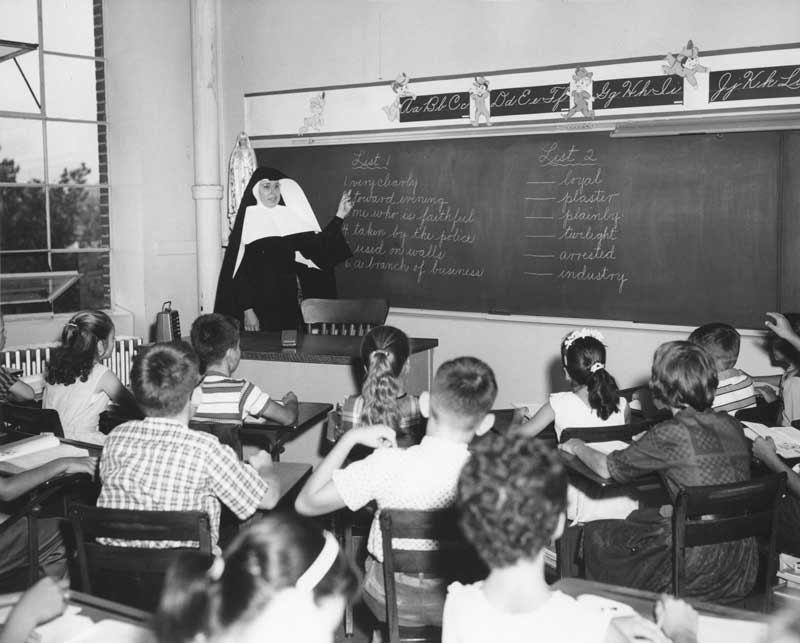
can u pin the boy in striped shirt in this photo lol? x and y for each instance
(220, 397)
(735, 390)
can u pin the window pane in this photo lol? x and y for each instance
(19, 20)
(21, 151)
(70, 87)
(22, 218)
(68, 26)
(72, 153)
(24, 262)
(15, 95)
(92, 289)
(75, 220)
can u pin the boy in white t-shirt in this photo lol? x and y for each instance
(512, 496)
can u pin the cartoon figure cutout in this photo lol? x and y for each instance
(401, 90)
(685, 64)
(479, 102)
(581, 94)
(316, 120)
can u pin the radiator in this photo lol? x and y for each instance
(33, 359)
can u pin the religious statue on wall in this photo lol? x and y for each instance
(241, 166)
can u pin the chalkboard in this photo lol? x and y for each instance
(679, 229)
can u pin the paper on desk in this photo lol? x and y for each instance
(62, 628)
(712, 629)
(786, 438)
(116, 631)
(608, 446)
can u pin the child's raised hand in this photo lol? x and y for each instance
(779, 325)
(345, 204)
(379, 436)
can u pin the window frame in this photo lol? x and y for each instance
(49, 182)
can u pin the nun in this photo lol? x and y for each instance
(277, 254)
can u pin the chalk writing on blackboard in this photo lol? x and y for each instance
(758, 82)
(637, 92)
(573, 219)
(394, 227)
(434, 107)
(544, 99)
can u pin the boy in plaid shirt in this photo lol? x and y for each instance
(160, 464)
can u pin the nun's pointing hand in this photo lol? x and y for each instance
(345, 205)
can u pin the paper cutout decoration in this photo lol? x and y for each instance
(581, 87)
(241, 166)
(316, 120)
(685, 64)
(401, 90)
(479, 102)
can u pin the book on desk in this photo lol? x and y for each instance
(786, 438)
(29, 453)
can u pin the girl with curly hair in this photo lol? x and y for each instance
(77, 383)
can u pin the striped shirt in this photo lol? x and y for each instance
(734, 392)
(224, 399)
(157, 464)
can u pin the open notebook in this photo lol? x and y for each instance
(786, 438)
(33, 452)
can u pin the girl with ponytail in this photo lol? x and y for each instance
(383, 400)
(282, 579)
(77, 384)
(594, 399)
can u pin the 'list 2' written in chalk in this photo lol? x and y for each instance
(572, 220)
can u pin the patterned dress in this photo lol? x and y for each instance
(691, 449)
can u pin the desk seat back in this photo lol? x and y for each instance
(132, 575)
(623, 432)
(30, 419)
(343, 316)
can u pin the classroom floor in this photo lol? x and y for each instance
(363, 627)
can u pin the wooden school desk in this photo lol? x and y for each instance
(324, 368)
(643, 601)
(97, 610)
(272, 437)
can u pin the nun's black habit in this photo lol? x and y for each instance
(273, 250)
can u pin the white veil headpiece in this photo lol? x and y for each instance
(281, 221)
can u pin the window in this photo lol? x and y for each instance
(53, 157)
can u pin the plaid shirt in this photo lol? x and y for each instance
(692, 449)
(157, 464)
(411, 421)
(7, 380)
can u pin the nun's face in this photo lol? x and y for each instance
(269, 192)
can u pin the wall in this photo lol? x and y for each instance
(277, 45)
(149, 94)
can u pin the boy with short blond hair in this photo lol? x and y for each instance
(422, 477)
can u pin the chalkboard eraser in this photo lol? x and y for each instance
(499, 311)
